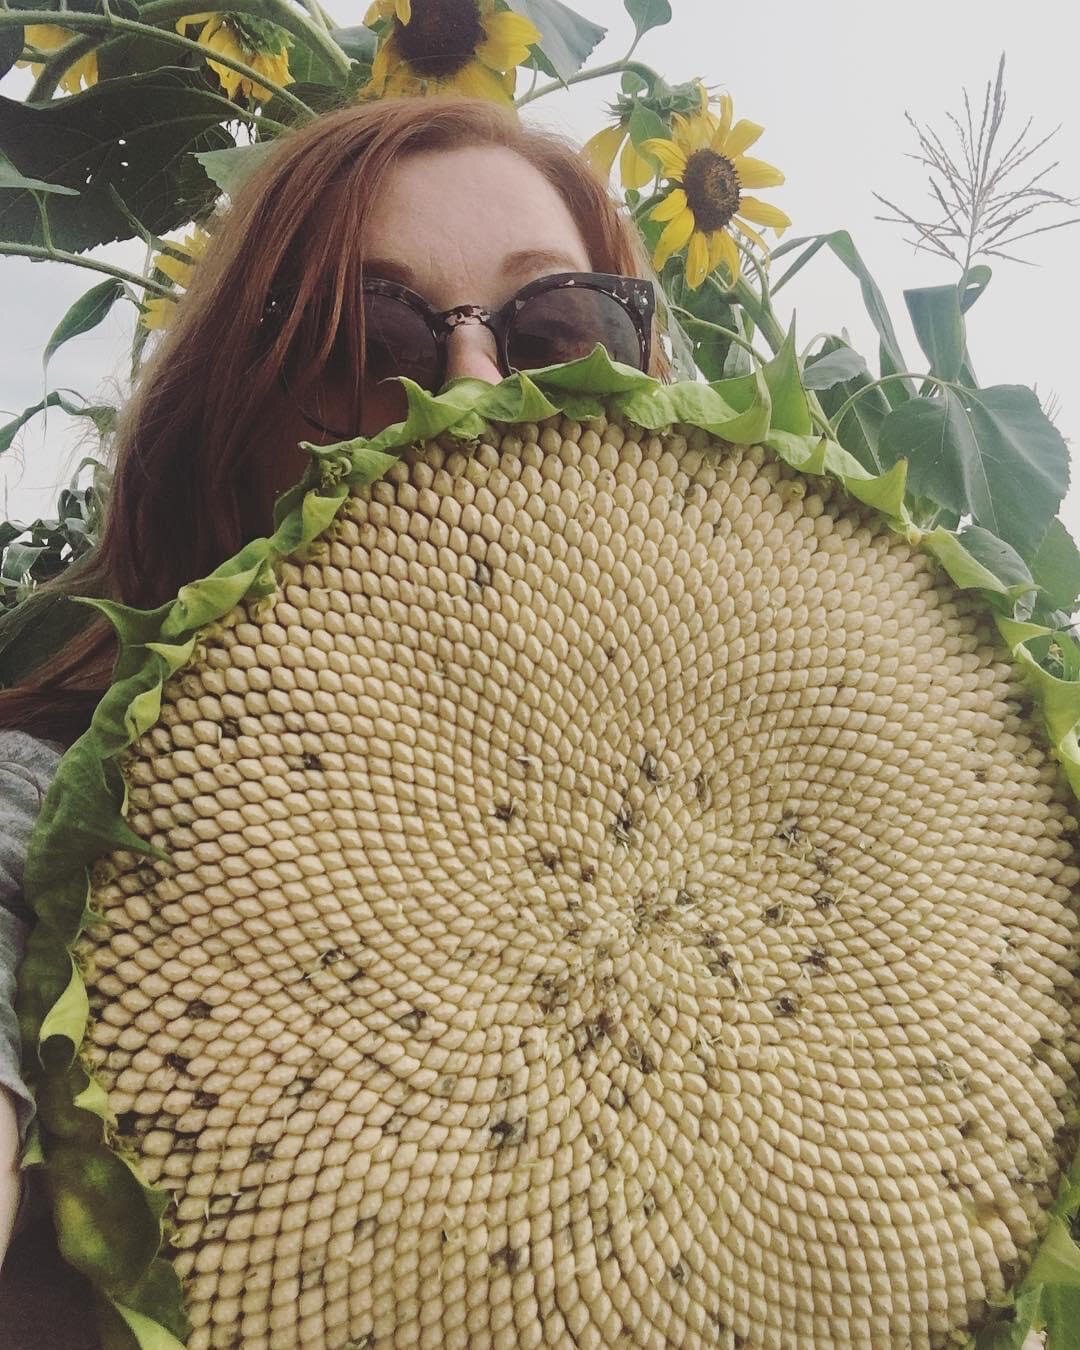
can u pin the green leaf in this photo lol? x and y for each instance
(133, 135)
(833, 367)
(790, 410)
(992, 454)
(10, 177)
(1056, 567)
(645, 123)
(1003, 561)
(228, 168)
(101, 414)
(648, 14)
(939, 327)
(86, 313)
(566, 38)
(842, 245)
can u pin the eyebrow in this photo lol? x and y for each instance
(521, 261)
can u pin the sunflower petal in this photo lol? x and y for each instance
(763, 213)
(697, 260)
(673, 203)
(386, 58)
(723, 251)
(741, 136)
(634, 169)
(694, 132)
(752, 235)
(676, 233)
(507, 40)
(672, 158)
(381, 9)
(755, 173)
(722, 123)
(600, 150)
(479, 81)
(403, 10)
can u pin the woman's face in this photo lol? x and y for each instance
(468, 226)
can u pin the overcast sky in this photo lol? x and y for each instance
(831, 83)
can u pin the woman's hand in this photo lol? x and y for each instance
(10, 1179)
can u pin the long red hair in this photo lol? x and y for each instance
(197, 465)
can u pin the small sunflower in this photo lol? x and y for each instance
(157, 312)
(48, 38)
(258, 43)
(448, 46)
(705, 164)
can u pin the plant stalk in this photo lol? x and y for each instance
(612, 68)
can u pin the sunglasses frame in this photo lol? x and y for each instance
(637, 298)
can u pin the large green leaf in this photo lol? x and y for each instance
(11, 44)
(133, 135)
(86, 313)
(10, 177)
(1056, 567)
(566, 37)
(358, 43)
(790, 410)
(992, 454)
(648, 14)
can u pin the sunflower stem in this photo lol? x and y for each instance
(50, 254)
(599, 72)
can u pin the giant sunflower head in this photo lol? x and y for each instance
(708, 172)
(47, 38)
(448, 46)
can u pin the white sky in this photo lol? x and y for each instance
(831, 83)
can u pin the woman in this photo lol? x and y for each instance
(452, 200)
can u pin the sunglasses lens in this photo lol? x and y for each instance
(566, 324)
(397, 341)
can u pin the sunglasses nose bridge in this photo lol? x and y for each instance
(475, 355)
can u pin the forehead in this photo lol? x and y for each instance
(465, 218)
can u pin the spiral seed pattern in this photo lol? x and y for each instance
(618, 896)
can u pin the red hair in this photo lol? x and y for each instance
(196, 459)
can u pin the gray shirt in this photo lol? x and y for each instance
(27, 765)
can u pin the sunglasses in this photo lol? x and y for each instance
(552, 320)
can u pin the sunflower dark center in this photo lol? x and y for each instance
(441, 37)
(712, 189)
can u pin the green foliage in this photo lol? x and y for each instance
(566, 37)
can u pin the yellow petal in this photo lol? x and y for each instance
(672, 204)
(672, 158)
(723, 122)
(385, 59)
(381, 9)
(723, 251)
(46, 37)
(600, 150)
(692, 133)
(741, 136)
(752, 235)
(478, 81)
(508, 38)
(634, 169)
(177, 271)
(403, 10)
(763, 213)
(755, 173)
(156, 312)
(697, 260)
(676, 233)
